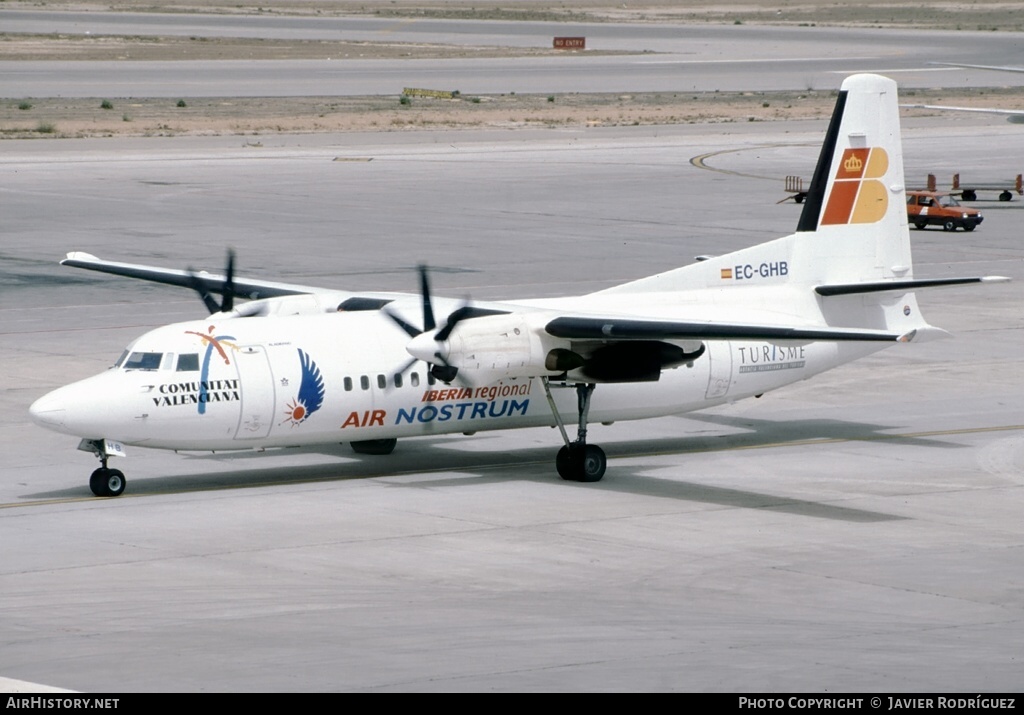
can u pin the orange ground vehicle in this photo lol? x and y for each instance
(932, 208)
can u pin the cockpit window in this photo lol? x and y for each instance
(188, 362)
(143, 361)
(120, 360)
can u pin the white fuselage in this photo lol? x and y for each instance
(244, 383)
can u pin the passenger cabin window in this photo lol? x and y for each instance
(414, 379)
(382, 381)
(364, 382)
(143, 361)
(348, 384)
(188, 363)
(398, 379)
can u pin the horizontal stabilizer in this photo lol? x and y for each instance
(902, 286)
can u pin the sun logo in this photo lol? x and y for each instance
(311, 392)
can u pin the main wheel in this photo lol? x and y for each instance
(106, 482)
(581, 463)
(563, 463)
(969, 196)
(1005, 196)
(593, 464)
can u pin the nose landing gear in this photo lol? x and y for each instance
(104, 482)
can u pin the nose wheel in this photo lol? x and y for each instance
(578, 461)
(106, 482)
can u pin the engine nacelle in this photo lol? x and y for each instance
(512, 345)
(503, 345)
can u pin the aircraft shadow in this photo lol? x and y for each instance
(425, 456)
(763, 433)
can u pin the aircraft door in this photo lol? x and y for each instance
(256, 383)
(720, 371)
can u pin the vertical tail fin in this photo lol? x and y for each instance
(848, 264)
(853, 228)
(856, 205)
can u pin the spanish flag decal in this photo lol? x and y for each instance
(726, 274)
(857, 194)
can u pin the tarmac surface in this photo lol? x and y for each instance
(857, 532)
(620, 57)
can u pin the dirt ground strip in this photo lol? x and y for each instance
(933, 14)
(114, 116)
(52, 118)
(143, 49)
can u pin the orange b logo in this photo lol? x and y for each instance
(857, 194)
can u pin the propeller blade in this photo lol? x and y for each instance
(445, 373)
(464, 312)
(228, 292)
(227, 287)
(401, 371)
(424, 348)
(411, 330)
(428, 311)
(200, 287)
(453, 319)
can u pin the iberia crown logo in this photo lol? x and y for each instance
(858, 195)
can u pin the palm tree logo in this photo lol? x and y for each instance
(212, 342)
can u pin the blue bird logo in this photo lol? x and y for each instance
(311, 392)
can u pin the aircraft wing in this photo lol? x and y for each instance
(996, 68)
(622, 328)
(243, 288)
(1015, 116)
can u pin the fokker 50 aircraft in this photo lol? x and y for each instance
(298, 365)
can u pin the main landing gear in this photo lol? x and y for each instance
(578, 461)
(104, 482)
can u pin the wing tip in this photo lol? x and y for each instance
(78, 256)
(924, 334)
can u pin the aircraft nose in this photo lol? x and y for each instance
(49, 411)
(74, 409)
